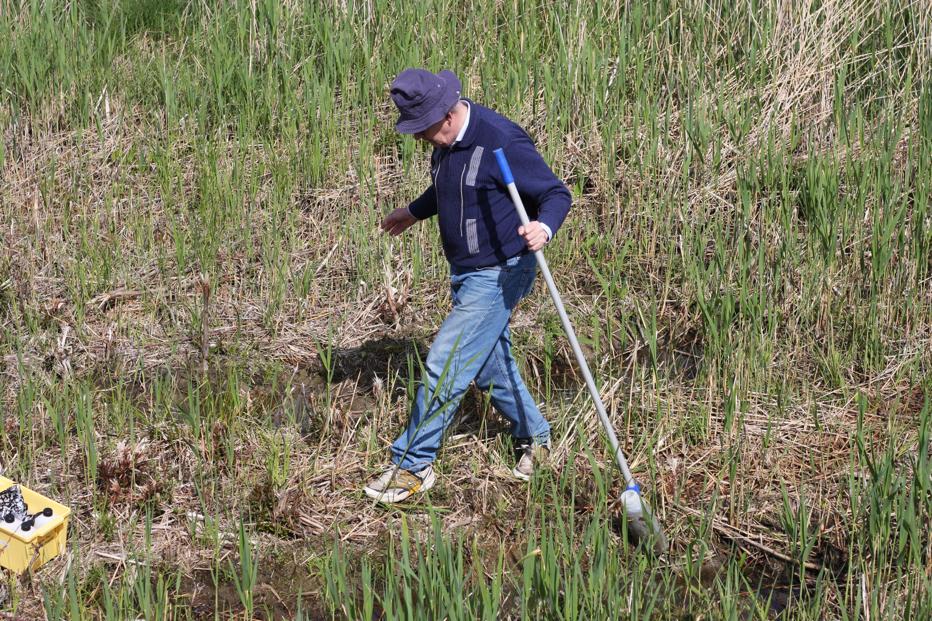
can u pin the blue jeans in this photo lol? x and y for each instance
(474, 343)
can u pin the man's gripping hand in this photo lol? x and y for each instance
(534, 234)
(398, 221)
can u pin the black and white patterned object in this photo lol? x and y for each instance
(12, 505)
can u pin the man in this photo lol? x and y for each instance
(491, 268)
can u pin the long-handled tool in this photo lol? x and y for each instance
(641, 521)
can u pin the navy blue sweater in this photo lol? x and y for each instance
(478, 222)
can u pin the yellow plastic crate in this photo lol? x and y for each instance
(21, 550)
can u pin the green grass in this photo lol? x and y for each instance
(206, 344)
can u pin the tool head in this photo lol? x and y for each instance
(642, 525)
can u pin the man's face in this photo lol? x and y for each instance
(440, 134)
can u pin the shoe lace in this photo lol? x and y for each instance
(524, 449)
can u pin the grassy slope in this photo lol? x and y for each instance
(200, 326)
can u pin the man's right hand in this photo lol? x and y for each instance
(397, 221)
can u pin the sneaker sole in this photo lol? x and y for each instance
(397, 494)
(520, 475)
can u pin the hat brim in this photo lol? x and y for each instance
(451, 95)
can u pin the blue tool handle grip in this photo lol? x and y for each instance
(503, 165)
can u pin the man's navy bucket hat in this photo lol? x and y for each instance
(423, 98)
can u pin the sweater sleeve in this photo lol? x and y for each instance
(539, 188)
(425, 205)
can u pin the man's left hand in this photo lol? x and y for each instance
(534, 234)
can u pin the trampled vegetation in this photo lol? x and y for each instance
(207, 345)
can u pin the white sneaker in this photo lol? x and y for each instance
(526, 454)
(396, 484)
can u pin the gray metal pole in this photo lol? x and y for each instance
(567, 326)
